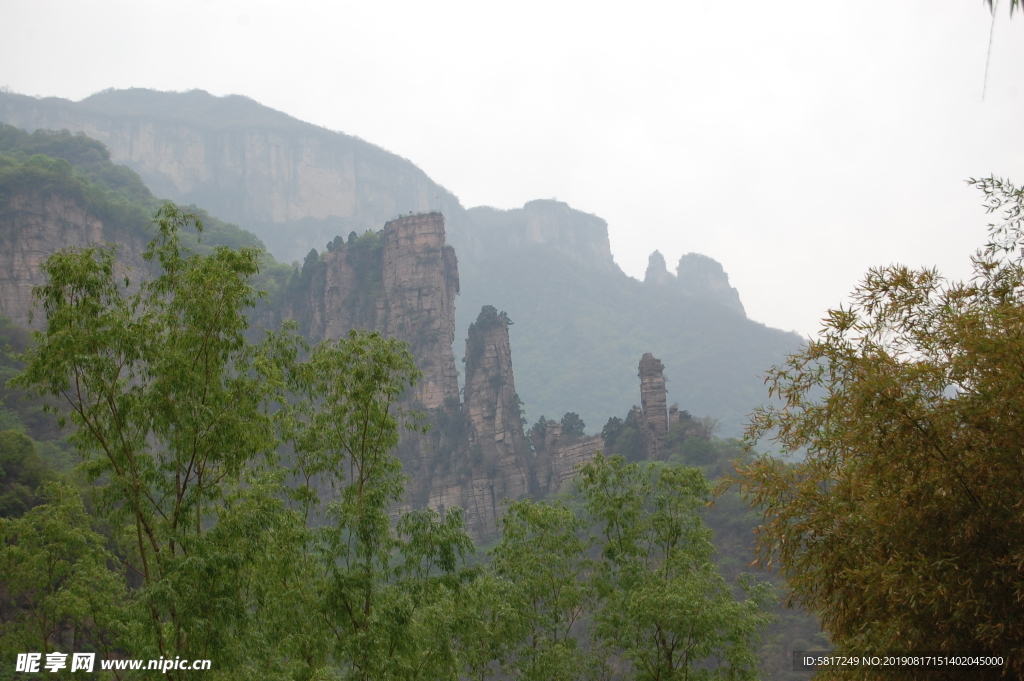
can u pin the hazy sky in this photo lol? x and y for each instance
(797, 142)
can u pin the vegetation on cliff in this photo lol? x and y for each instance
(79, 168)
(488, 319)
(581, 321)
(208, 455)
(240, 487)
(580, 329)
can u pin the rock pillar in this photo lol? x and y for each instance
(653, 394)
(421, 279)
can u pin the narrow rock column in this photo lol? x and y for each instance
(420, 282)
(653, 394)
(498, 453)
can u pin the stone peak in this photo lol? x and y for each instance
(657, 270)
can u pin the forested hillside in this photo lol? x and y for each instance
(37, 457)
(230, 536)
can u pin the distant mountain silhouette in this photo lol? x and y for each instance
(579, 321)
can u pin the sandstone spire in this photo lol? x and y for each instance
(401, 282)
(653, 394)
(657, 270)
(493, 463)
(421, 279)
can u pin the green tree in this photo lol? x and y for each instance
(664, 606)
(611, 431)
(386, 595)
(542, 559)
(21, 473)
(170, 407)
(901, 529)
(250, 491)
(56, 592)
(572, 424)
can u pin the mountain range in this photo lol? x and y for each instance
(577, 322)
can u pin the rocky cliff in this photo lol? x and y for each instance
(581, 322)
(653, 394)
(35, 221)
(699, 275)
(580, 237)
(557, 456)
(421, 280)
(401, 282)
(696, 275)
(492, 464)
(293, 184)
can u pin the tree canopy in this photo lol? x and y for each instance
(903, 528)
(249, 510)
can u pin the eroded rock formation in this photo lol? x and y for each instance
(657, 271)
(557, 459)
(294, 184)
(421, 280)
(401, 282)
(34, 223)
(696, 275)
(653, 395)
(579, 236)
(493, 464)
(700, 275)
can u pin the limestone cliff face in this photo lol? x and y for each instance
(35, 223)
(651, 417)
(696, 275)
(297, 186)
(653, 393)
(421, 280)
(245, 163)
(582, 237)
(557, 458)
(402, 283)
(657, 271)
(702, 275)
(495, 463)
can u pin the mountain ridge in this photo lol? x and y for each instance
(298, 186)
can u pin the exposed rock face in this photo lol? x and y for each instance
(653, 395)
(557, 456)
(491, 398)
(582, 237)
(402, 284)
(700, 275)
(494, 465)
(657, 271)
(244, 162)
(421, 280)
(556, 463)
(297, 186)
(696, 275)
(552, 437)
(652, 417)
(34, 224)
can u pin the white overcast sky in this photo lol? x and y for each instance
(798, 142)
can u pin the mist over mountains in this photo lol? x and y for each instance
(579, 322)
